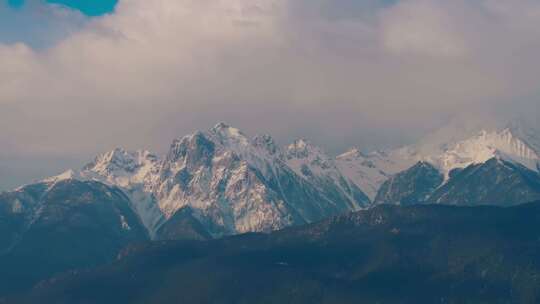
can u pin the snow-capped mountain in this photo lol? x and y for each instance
(225, 178)
(455, 146)
(230, 183)
(370, 170)
(133, 172)
(314, 165)
(224, 183)
(236, 184)
(125, 168)
(220, 182)
(481, 147)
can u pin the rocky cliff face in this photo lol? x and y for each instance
(231, 183)
(311, 163)
(235, 184)
(219, 182)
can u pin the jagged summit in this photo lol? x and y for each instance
(302, 154)
(120, 162)
(267, 143)
(457, 145)
(481, 147)
(229, 136)
(299, 144)
(233, 183)
(351, 154)
(505, 153)
(313, 164)
(122, 167)
(370, 170)
(302, 148)
(68, 174)
(221, 125)
(220, 182)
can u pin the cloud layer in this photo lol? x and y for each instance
(343, 72)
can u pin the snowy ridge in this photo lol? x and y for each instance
(240, 184)
(133, 172)
(301, 153)
(370, 171)
(232, 183)
(69, 174)
(314, 165)
(124, 168)
(202, 161)
(462, 143)
(477, 149)
(454, 146)
(136, 174)
(235, 184)
(484, 146)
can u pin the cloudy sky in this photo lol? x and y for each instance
(83, 79)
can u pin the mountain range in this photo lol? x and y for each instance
(220, 182)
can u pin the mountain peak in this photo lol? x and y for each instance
(229, 136)
(66, 175)
(302, 153)
(460, 145)
(267, 143)
(221, 125)
(302, 148)
(104, 162)
(423, 164)
(225, 129)
(301, 143)
(353, 153)
(120, 159)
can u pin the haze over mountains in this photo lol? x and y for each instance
(396, 171)
(217, 183)
(234, 184)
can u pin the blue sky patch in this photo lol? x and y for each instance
(87, 7)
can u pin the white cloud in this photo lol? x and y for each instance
(372, 74)
(422, 27)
